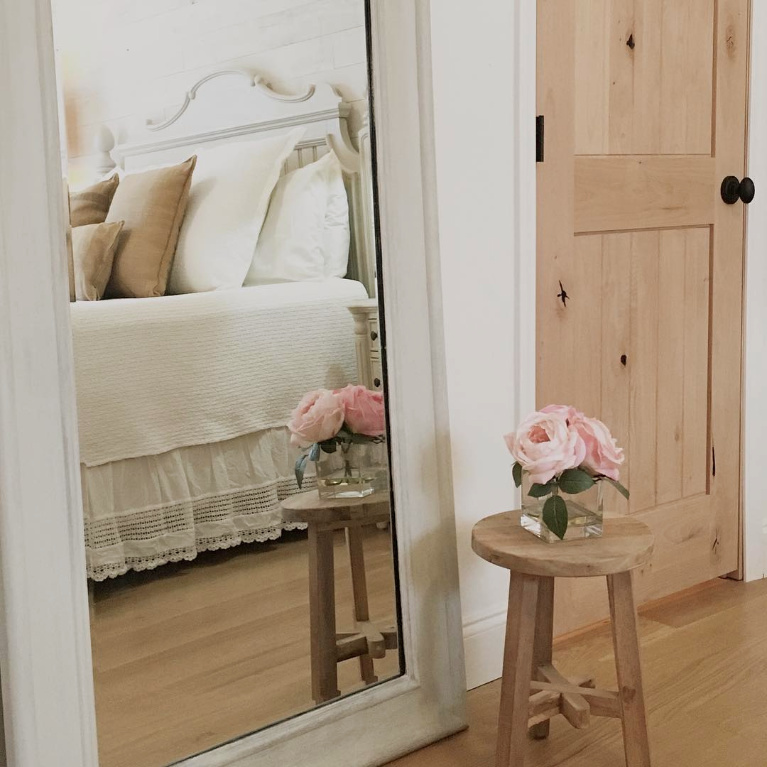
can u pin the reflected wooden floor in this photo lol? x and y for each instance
(198, 653)
(705, 667)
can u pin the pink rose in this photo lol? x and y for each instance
(570, 413)
(319, 416)
(365, 413)
(545, 446)
(603, 456)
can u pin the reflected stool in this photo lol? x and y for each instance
(532, 690)
(366, 641)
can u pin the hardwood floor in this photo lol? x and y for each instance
(705, 669)
(194, 654)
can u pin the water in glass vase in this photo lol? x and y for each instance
(584, 514)
(351, 473)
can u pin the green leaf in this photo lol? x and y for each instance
(555, 516)
(541, 491)
(516, 472)
(329, 446)
(619, 487)
(314, 453)
(574, 481)
(300, 469)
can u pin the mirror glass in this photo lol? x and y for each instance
(230, 365)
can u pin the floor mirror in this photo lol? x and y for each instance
(226, 533)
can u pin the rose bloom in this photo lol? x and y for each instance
(318, 417)
(603, 456)
(545, 446)
(365, 413)
(570, 413)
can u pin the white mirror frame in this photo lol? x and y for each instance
(45, 661)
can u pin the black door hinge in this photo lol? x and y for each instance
(540, 138)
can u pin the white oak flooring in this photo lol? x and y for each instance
(194, 654)
(705, 670)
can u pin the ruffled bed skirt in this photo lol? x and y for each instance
(144, 512)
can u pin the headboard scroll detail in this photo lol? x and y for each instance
(236, 105)
(254, 81)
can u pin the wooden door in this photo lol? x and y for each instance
(645, 114)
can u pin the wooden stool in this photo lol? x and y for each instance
(530, 700)
(366, 642)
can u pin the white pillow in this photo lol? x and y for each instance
(306, 232)
(230, 193)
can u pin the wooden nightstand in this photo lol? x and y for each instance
(368, 340)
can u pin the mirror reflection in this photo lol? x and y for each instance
(229, 363)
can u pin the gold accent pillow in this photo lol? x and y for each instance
(93, 252)
(152, 204)
(91, 205)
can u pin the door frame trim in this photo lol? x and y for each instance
(754, 460)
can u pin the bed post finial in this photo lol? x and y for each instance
(104, 144)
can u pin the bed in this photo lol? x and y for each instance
(183, 399)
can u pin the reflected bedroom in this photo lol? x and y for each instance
(230, 362)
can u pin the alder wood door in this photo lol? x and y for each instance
(645, 114)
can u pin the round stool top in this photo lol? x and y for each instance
(625, 544)
(308, 507)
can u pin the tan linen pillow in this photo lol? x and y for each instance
(153, 205)
(93, 248)
(70, 257)
(91, 205)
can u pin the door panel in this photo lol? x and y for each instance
(654, 97)
(645, 104)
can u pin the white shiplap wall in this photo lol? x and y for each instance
(122, 61)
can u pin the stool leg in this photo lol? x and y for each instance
(360, 592)
(322, 615)
(626, 644)
(517, 662)
(544, 635)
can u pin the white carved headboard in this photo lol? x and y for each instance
(234, 105)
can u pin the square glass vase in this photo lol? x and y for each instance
(585, 513)
(355, 473)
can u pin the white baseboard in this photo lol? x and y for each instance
(483, 640)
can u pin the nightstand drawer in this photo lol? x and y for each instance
(376, 374)
(375, 335)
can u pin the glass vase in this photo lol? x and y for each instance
(585, 513)
(355, 470)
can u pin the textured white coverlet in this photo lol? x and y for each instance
(156, 374)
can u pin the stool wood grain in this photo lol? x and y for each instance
(532, 690)
(366, 641)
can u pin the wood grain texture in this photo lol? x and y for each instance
(630, 193)
(198, 653)
(517, 662)
(703, 662)
(653, 96)
(625, 544)
(322, 615)
(544, 638)
(623, 622)
(652, 259)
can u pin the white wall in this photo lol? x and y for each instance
(476, 123)
(125, 60)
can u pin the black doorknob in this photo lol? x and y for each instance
(734, 190)
(747, 190)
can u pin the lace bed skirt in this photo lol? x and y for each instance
(144, 512)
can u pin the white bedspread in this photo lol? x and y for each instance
(156, 374)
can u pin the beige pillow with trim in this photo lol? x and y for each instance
(93, 252)
(152, 204)
(91, 205)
